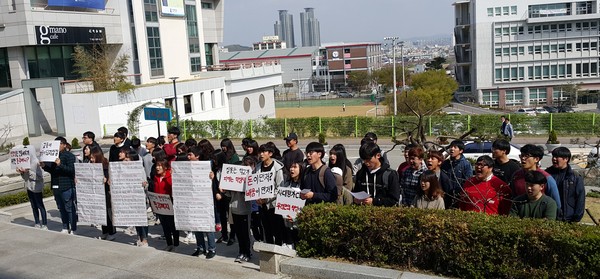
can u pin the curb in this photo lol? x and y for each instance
(311, 268)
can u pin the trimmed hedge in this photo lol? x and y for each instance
(20, 197)
(565, 124)
(450, 242)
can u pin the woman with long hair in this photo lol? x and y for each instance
(229, 150)
(163, 184)
(97, 157)
(337, 158)
(430, 195)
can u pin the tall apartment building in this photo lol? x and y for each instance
(309, 25)
(519, 52)
(163, 38)
(284, 28)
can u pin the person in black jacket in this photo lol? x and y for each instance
(62, 175)
(570, 186)
(115, 149)
(376, 178)
(318, 183)
(434, 162)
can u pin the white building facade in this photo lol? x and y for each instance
(520, 52)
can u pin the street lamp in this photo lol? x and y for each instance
(175, 100)
(402, 57)
(298, 70)
(393, 39)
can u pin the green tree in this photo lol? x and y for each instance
(99, 65)
(431, 91)
(571, 91)
(359, 80)
(436, 64)
(385, 77)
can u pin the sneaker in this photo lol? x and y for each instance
(149, 209)
(64, 231)
(189, 238)
(174, 248)
(111, 237)
(162, 237)
(72, 233)
(143, 245)
(230, 242)
(198, 252)
(289, 246)
(37, 226)
(210, 254)
(130, 231)
(245, 258)
(169, 248)
(103, 236)
(238, 259)
(222, 239)
(44, 228)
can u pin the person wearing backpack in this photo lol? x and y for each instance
(376, 178)
(318, 183)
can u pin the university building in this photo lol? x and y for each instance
(520, 53)
(166, 40)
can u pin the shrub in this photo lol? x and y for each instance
(322, 139)
(75, 144)
(450, 242)
(26, 141)
(552, 138)
(21, 197)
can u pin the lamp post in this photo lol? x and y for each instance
(402, 57)
(175, 100)
(393, 39)
(298, 70)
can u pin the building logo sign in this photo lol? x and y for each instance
(172, 8)
(68, 35)
(335, 54)
(89, 4)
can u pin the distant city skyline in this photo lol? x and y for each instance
(341, 20)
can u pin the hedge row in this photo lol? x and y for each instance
(20, 197)
(450, 242)
(356, 126)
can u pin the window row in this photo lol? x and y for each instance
(502, 11)
(188, 101)
(516, 96)
(563, 27)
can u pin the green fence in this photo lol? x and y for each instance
(565, 124)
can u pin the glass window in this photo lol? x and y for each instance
(187, 104)
(498, 76)
(208, 52)
(505, 10)
(222, 97)
(513, 10)
(156, 64)
(498, 11)
(202, 101)
(498, 51)
(490, 11)
(4, 69)
(212, 98)
(195, 64)
(206, 5)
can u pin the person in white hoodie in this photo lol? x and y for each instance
(272, 223)
(34, 183)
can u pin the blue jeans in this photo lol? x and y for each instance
(37, 205)
(212, 245)
(65, 201)
(142, 232)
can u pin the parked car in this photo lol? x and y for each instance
(474, 150)
(528, 111)
(565, 109)
(540, 110)
(324, 94)
(345, 94)
(550, 109)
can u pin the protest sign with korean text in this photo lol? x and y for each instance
(49, 151)
(160, 203)
(20, 157)
(91, 199)
(288, 202)
(260, 186)
(127, 194)
(233, 177)
(193, 202)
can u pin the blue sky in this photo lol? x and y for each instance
(246, 21)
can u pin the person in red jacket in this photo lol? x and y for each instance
(164, 185)
(170, 148)
(485, 192)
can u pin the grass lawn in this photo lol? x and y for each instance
(593, 204)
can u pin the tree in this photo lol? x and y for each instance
(105, 71)
(570, 90)
(385, 76)
(436, 64)
(359, 80)
(431, 91)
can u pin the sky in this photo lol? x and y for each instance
(246, 21)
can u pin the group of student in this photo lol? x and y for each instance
(496, 185)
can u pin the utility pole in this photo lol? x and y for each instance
(176, 106)
(393, 39)
(298, 70)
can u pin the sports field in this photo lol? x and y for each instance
(326, 108)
